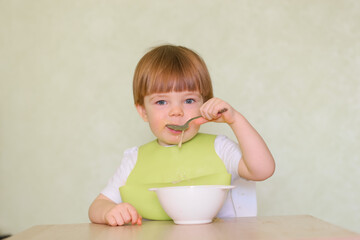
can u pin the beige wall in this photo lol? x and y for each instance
(291, 67)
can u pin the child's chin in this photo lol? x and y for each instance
(167, 143)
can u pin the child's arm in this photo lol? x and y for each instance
(257, 162)
(105, 211)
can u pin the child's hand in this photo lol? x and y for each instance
(121, 214)
(210, 112)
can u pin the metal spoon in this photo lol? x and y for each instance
(186, 125)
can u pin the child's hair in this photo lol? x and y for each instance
(169, 68)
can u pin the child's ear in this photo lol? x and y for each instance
(142, 112)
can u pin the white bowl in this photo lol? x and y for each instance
(192, 204)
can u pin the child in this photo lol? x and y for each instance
(171, 85)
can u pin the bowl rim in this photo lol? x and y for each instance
(194, 186)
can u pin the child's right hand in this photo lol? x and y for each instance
(210, 112)
(121, 214)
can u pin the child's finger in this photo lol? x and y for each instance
(213, 113)
(206, 115)
(200, 121)
(210, 109)
(133, 215)
(139, 221)
(126, 216)
(111, 221)
(119, 220)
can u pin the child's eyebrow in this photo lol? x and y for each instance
(198, 95)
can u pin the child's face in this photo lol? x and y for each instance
(171, 108)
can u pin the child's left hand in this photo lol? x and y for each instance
(210, 112)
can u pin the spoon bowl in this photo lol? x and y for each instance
(181, 127)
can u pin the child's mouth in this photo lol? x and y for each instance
(174, 131)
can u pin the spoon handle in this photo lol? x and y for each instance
(219, 112)
(222, 110)
(193, 118)
(186, 125)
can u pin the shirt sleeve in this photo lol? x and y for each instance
(229, 151)
(122, 173)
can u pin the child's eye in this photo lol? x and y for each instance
(161, 102)
(189, 101)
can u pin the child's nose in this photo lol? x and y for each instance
(176, 111)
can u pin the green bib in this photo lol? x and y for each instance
(195, 163)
